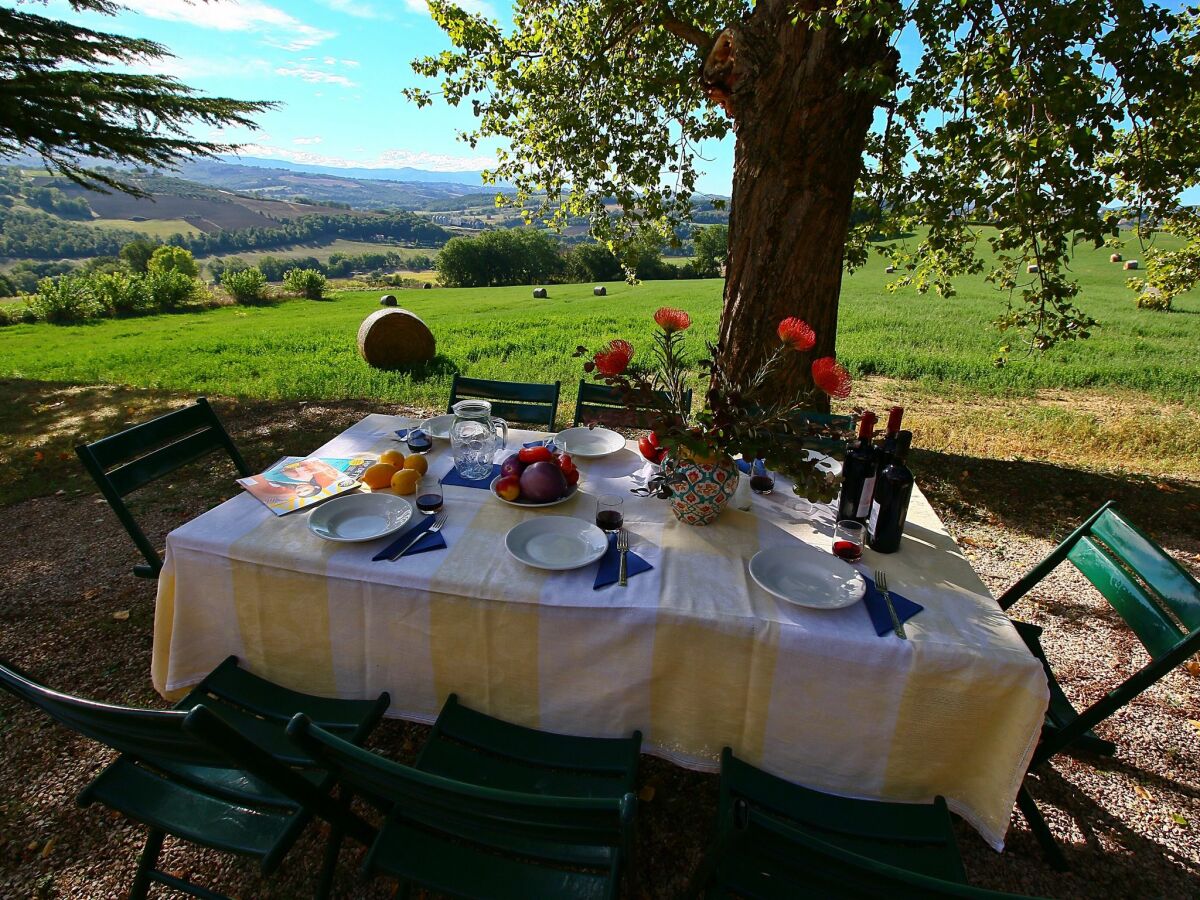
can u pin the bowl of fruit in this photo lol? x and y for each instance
(536, 477)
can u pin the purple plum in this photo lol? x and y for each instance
(542, 482)
(513, 466)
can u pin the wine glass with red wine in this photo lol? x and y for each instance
(762, 480)
(420, 438)
(609, 517)
(429, 494)
(848, 540)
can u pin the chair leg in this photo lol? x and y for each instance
(141, 881)
(1051, 852)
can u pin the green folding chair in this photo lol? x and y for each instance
(775, 839)
(513, 401)
(489, 809)
(601, 404)
(1152, 593)
(124, 462)
(175, 784)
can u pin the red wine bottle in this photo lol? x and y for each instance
(889, 508)
(887, 446)
(858, 473)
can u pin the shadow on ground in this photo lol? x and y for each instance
(72, 614)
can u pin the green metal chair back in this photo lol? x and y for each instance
(145, 734)
(1151, 592)
(549, 830)
(771, 858)
(513, 401)
(775, 839)
(601, 404)
(215, 787)
(128, 460)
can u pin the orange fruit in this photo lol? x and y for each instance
(418, 462)
(392, 458)
(405, 481)
(379, 476)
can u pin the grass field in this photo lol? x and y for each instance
(160, 228)
(1127, 398)
(324, 251)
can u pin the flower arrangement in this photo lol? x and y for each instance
(740, 414)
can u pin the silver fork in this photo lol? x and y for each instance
(438, 521)
(881, 583)
(623, 548)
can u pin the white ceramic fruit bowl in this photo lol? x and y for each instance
(572, 490)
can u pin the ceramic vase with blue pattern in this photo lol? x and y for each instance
(700, 490)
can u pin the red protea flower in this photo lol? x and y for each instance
(613, 358)
(797, 333)
(670, 319)
(831, 377)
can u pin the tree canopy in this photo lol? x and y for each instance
(1052, 121)
(61, 98)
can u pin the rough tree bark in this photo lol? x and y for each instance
(799, 142)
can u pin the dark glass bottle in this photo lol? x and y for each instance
(887, 447)
(858, 473)
(893, 490)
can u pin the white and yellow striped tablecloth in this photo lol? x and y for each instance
(693, 653)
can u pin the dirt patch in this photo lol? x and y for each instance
(1130, 825)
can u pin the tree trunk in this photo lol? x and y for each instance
(800, 135)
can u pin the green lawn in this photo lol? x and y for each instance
(323, 252)
(160, 228)
(304, 350)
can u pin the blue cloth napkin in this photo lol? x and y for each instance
(548, 443)
(610, 565)
(454, 478)
(878, 611)
(402, 433)
(433, 541)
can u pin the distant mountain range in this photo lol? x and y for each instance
(404, 174)
(411, 189)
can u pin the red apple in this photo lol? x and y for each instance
(509, 487)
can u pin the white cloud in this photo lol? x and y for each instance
(355, 8)
(273, 25)
(388, 159)
(351, 63)
(307, 140)
(314, 76)
(188, 67)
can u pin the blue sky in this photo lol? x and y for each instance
(338, 67)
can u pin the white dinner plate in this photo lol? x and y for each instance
(572, 490)
(360, 517)
(808, 577)
(589, 443)
(556, 543)
(825, 463)
(439, 426)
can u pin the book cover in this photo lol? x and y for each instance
(298, 482)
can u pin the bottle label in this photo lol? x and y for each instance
(873, 520)
(865, 498)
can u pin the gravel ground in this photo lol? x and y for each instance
(72, 614)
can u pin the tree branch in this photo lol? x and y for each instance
(685, 31)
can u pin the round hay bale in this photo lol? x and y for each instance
(600, 290)
(1032, 268)
(1116, 257)
(1131, 264)
(540, 294)
(890, 270)
(387, 300)
(393, 338)
(428, 286)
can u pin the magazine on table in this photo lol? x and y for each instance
(298, 482)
